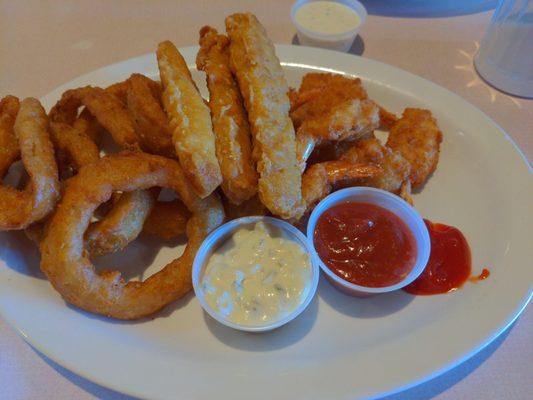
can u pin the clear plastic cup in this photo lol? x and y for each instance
(505, 56)
(390, 202)
(218, 237)
(341, 41)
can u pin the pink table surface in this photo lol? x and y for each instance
(46, 43)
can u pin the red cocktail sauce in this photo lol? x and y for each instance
(485, 273)
(449, 264)
(365, 244)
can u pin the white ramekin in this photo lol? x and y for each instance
(342, 41)
(217, 239)
(391, 202)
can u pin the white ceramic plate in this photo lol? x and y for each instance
(340, 347)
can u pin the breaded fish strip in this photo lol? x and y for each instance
(264, 89)
(189, 120)
(230, 122)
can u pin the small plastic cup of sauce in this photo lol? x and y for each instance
(416, 230)
(220, 241)
(330, 24)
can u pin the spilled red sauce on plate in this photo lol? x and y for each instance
(449, 265)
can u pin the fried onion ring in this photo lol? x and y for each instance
(77, 148)
(66, 264)
(9, 148)
(74, 147)
(167, 220)
(119, 90)
(121, 224)
(19, 209)
(124, 221)
(106, 108)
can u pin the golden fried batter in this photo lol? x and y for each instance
(319, 180)
(106, 108)
(320, 91)
(395, 169)
(66, 263)
(190, 121)
(349, 120)
(167, 220)
(264, 89)
(73, 147)
(417, 138)
(19, 209)
(230, 122)
(9, 148)
(121, 225)
(143, 98)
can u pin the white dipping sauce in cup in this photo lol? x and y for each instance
(327, 17)
(328, 24)
(258, 276)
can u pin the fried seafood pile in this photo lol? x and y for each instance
(255, 148)
(335, 120)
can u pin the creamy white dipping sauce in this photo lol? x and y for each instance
(258, 276)
(327, 17)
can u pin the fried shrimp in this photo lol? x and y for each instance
(9, 148)
(319, 92)
(330, 109)
(349, 120)
(230, 122)
(386, 119)
(417, 138)
(190, 121)
(395, 169)
(262, 84)
(319, 180)
(66, 264)
(409, 157)
(19, 209)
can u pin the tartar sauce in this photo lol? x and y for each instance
(258, 276)
(327, 17)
